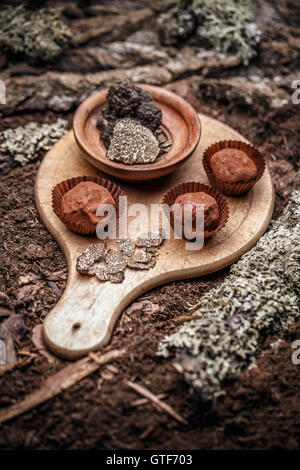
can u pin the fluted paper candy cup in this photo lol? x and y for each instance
(195, 187)
(84, 228)
(233, 189)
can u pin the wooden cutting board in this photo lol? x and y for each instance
(92, 306)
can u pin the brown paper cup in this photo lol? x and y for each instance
(62, 188)
(233, 189)
(193, 187)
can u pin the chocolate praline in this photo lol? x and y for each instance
(233, 166)
(211, 210)
(79, 205)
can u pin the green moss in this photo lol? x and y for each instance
(226, 24)
(259, 298)
(25, 142)
(40, 33)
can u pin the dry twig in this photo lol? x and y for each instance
(154, 398)
(59, 382)
(145, 401)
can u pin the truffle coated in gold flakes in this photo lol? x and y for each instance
(151, 239)
(127, 247)
(91, 254)
(115, 262)
(132, 143)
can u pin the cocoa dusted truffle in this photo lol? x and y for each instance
(211, 210)
(79, 205)
(233, 166)
(125, 99)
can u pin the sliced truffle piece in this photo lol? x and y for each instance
(115, 261)
(151, 239)
(97, 269)
(101, 272)
(141, 258)
(79, 205)
(211, 211)
(110, 265)
(117, 278)
(132, 143)
(127, 247)
(91, 254)
(233, 166)
(152, 250)
(141, 266)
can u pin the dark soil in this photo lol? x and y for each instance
(260, 410)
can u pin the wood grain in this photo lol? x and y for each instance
(95, 306)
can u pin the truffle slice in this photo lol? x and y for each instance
(79, 205)
(151, 239)
(91, 255)
(132, 143)
(102, 273)
(110, 265)
(143, 256)
(152, 250)
(115, 261)
(211, 210)
(233, 166)
(142, 260)
(142, 266)
(127, 247)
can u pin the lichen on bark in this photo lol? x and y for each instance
(24, 143)
(39, 33)
(258, 299)
(226, 24)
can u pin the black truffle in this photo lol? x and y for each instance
(149, 115)
(125, 99)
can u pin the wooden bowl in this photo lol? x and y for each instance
(181, 125)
